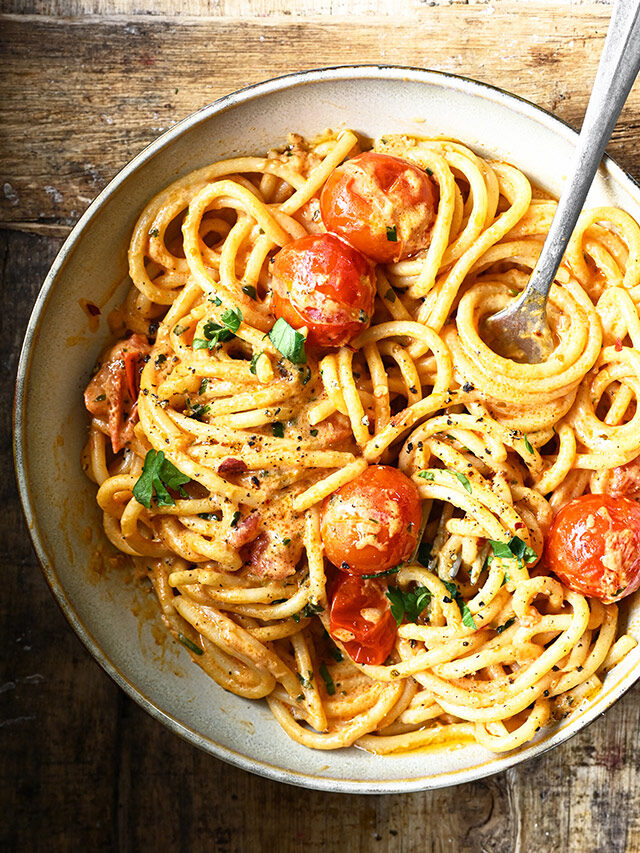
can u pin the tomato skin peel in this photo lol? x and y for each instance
(353, 599)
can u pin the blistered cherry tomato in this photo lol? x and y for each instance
(382, 205)
(360, 617)
(594, 546)
(321, 282)
(371, 523)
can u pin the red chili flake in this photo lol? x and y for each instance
(232, 466)
(93, 309)
(618, 345)
(519, 524)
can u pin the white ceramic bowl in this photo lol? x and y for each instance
(60, 350)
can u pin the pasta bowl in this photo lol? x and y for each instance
(62, 342)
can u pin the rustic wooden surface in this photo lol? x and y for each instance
(82, 766)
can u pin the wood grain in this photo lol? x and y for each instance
(68, 127)
(81, 766)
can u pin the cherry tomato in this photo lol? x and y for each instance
(594, 546)
(371, 523)
(321, 282)
(360, 617)
(382, 205)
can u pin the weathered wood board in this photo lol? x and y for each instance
(81, 766)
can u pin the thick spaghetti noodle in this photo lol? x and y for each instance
(235, 438)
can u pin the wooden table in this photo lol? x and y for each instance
(82, 766)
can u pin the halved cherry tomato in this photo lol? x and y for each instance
(360, 617)
(382, 205)
(321, 282)
(371, 523)
(594, 546)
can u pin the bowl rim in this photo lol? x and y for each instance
(367, 71)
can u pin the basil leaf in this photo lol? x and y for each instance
(426, 475)
(158, 474)
(501, 550)
(467, 617)
(409, 603)
(464, 480)
(396, 598)
(527, 443)
(288, 341)
(254, 362)
(520, 549)
(393, 571)
(311, 609)
(191, 646)
(328, 681)
(232, 318)
(506, 625)
(250, 290)
(392, 234)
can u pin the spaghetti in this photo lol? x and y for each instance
(216, 441)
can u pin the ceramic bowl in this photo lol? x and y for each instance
(108, 611)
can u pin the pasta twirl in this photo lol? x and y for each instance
(214, 446)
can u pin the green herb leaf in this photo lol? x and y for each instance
(429, 171)
(305, 374)
(424, 553)
(313, 432)
(328, 681)
(216, 300)
(191, 646)
(501, 550)
(467, 617)
(158, 474)
(215, 334)
(392, 234)
(153, 232)
(409, 603)
(426, 475)
(464, 480)
(235, 518)
(254, 361)
(306, 682)
(278, 430)
(337, 654)
(506, 625)
(393, 571)
(288, 341)
(312, 609)
(527, 443)
(179, 330)
(250, 290)
(232, 318)
(203, 385)
(520, 549)
(196, 410)
(286, 541)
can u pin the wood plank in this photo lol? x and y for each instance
(133, 78)
(239, 8)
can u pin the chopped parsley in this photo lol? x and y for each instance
(506, 625)
(313, 432)
(190, 645)
(250, 290)
(254, 361)
(464, 480)
(158, 475)
(179, 330)
(215, 334)
(306, 682)
(409, 603)
(154, 233)
(235, 518)
(426, 475)
(278, 430)
(392, 234)
(527, 443)
(203, 385)
(328, 681)
(393, 571)
(517, 548)
(288, 341)
(429, 171)
(467, 617)
(196, 410)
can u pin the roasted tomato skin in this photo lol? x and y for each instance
(594, 546)
(371, 523)
(323, 283)
(352, 600)
(382, 205)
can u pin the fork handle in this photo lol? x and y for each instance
(618, 68)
